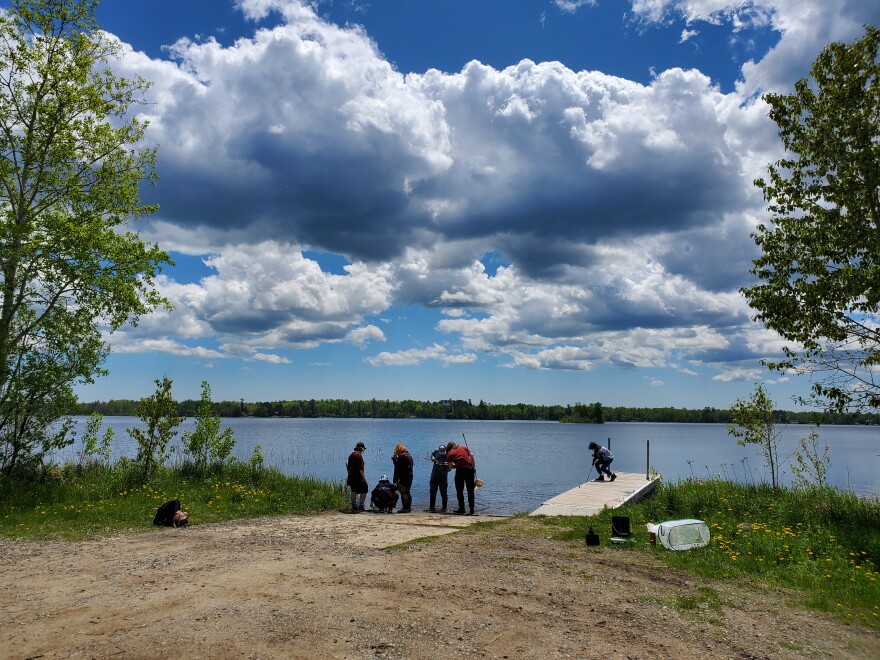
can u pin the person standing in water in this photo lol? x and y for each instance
(439, 478)
(403, 476)
(461, 458)
(357, 480)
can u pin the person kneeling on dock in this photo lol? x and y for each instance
(602, 458)
(384, 496)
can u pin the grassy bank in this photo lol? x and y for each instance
(823, 543)
(74, 502)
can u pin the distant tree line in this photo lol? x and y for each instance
(721, 416)
(594, 413)
(372, 408)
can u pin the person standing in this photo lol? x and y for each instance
(403, 476)
(439, 478)
(602, 458)
(461, 458)
(357, 479)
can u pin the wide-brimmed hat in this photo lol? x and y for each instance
(360, 445)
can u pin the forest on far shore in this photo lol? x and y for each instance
(592, 413)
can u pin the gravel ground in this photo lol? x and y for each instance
(360, 586)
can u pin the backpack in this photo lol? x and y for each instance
(165, 513)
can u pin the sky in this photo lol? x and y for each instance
(541, 201)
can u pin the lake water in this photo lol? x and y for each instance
(525, 463)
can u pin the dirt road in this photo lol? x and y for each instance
(340, 586)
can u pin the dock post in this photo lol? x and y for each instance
(609, 443)
(647, 459)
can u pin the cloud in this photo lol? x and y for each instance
(365, 334)
(571, 6)
(270, 358)
(804, 26)
(165, 345)
(620, 212)
(559, 357)
(415, 356)
(740, 374)
(264, 296)
(333, 147)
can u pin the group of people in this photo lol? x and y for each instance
(447, 457)
(385, 495)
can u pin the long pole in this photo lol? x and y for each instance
(647, 459)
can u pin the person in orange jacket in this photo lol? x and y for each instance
(461, 458)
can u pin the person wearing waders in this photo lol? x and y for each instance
(439, 478)
(602, 458)
(465, 465)
(357, 481)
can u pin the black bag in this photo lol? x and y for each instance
(591, 538)
(165, 513)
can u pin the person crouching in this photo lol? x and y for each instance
(384, 496)
(602, 458)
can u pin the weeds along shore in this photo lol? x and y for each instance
(84, 501)
(820, 542)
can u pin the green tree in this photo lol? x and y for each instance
(820, 267)
(69, 179)
(159, 412)
(94, 448)
(754, 423)
(207, 443)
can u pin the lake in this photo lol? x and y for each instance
(525, 463)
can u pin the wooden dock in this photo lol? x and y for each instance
(590, 498)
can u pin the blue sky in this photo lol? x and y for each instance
(543, 201)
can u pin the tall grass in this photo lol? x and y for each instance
(823, 543)
(73, 501)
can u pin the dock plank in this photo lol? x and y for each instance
(590, 498)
